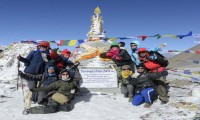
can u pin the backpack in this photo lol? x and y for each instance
(158, 58)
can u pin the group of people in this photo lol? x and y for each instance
(142, 77)
(52, 77)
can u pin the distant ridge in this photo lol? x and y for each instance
(185, 59)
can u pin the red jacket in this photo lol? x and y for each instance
(151, 65)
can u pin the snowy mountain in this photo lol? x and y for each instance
(107, 105)
(2, 47)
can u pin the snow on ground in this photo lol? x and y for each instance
(183, 105)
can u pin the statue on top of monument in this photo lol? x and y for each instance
(96, 29)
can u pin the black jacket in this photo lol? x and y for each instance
(144, 80)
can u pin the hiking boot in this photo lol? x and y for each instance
(163, 102)
(126, 95)
(66, 107)
(26, 112)
(147, 105)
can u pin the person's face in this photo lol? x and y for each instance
(133, 46)
(42, 48)
(140, 70)
(127, 69)
(51, 71)
(65, 75)
(115, 48)
(142, 54)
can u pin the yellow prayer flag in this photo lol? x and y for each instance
(72, 42)
(112, 39)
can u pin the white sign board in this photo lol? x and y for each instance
(98, 77)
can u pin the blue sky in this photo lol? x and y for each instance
(71, 19)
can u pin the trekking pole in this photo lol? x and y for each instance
(18, 65)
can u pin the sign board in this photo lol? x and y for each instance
(98, 77)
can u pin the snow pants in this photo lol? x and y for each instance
(32, 84)
(147, 95)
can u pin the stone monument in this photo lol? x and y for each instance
(96, 72)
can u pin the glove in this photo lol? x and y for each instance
(19, 57)
(118, 58)
(109, 54)
(135, 75)
(33, 90)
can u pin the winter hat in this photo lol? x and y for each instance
(122, 44)
(45, 44)
(142, 50)
(141, 65)
(114, 44)
(65, 70)
(65, 51)
(51, 67)
(126, 67)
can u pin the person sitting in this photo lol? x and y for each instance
(60, 100)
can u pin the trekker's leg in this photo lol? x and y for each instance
(137, 100)
(52, 107)
(148, 94)
(130, 92)
(162, 90)
(42, 97)
(124, 90)
(31, 85)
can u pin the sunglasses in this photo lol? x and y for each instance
(126, 69)
(65, 74)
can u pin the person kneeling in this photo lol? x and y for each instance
(144, 87)
(61, 100)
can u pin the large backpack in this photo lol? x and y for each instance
(158, 58)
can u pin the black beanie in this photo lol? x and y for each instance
(141, 65)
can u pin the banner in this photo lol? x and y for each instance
(97, 77)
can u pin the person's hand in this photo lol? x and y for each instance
(135, 75)
(109, 54)
(118, 58)
(19, 57)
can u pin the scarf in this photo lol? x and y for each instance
(115, 52)
(126, 73)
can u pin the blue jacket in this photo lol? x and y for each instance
(34, 63)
